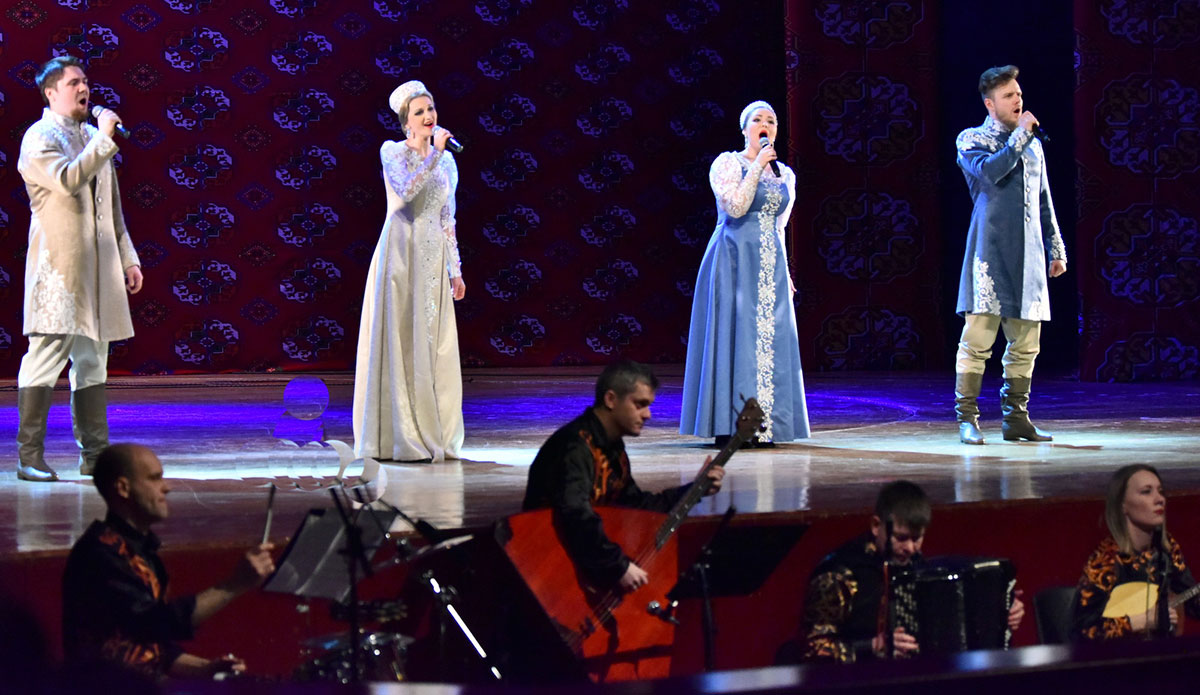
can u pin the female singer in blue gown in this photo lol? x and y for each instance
(742, 342)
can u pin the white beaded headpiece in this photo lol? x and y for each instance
(751, 108)
(403, 93)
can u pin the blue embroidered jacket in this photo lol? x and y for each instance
(1014, 234)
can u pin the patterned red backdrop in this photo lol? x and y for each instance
(862, 96)
(251, 180)
(1138, 149)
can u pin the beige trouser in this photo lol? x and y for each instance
(48, 354)
(979, 334)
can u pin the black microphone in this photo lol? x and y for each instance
(1041, 134)
(98, 109)
(764, 141)
(453, 145)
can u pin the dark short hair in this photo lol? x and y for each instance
(994, 77)
(622, 377)
(905, 503)
(114, 461)
(50, 73)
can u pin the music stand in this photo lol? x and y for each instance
(314, 563)
(734, 562)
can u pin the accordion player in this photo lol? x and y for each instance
(953, 603)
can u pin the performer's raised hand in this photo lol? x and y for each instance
(765, 156)
(107, 122)
(1027, 121)
(440, 137)
(133, 279)
(254, 568)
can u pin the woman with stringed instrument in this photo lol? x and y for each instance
(1117, 594)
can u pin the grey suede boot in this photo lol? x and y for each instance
(89, 419)
(966, 405)
(1014, 403)
(33, 406)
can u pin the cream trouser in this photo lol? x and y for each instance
(48, 354)
(979, 334)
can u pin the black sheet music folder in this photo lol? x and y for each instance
(314, 563)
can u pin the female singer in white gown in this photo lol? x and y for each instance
(407, 380)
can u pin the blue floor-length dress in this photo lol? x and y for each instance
(742, 341)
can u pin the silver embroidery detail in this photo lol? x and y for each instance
(430, 238)
(55, 303)
(764, 348)
(985, 289)
(1039, 310)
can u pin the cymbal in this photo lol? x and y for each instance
(338, 641)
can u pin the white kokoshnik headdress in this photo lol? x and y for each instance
(751, 108)
(403, 93)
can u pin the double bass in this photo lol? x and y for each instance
(618, 635)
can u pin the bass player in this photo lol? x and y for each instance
(584, 464)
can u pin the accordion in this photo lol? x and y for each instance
(952, 604)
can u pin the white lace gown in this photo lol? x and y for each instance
(407, 378)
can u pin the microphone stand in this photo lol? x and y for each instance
(444, 594)
(698, 573)
(1162, 606)
(355, 556)
(889, 635)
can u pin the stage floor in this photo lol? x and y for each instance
(225, 439)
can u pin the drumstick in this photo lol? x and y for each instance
(270, 513)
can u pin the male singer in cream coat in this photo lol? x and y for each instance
(79, 266)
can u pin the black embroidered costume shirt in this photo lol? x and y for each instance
(114, 605)
(578, 467)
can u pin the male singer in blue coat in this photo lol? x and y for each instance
(1012, 245)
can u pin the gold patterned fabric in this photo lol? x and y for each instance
(1108, 567)
(841, 608)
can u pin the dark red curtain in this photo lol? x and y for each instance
(252, 179)
(862, 104)
(252, 188)
(1138, 149)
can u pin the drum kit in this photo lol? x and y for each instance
(378, 657)
(325, 559)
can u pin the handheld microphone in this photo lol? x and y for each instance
(98, 109)
(764, 141)
(453, 145)
(1041, 135)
